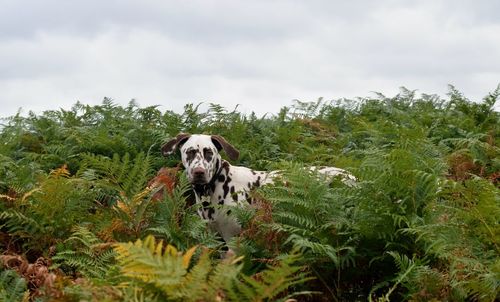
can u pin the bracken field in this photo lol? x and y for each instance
(90, 210)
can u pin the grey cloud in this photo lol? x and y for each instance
(261, 54)
(207, 21)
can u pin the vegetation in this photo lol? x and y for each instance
(91, 211)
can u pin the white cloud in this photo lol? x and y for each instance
(260, 54)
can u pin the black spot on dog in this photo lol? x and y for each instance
(257, 182)
(208, 154)
(205, 204)
(233, 194)
(248, 198)
(221, 202)
(211, 212)
(225, 166)
(249, 185)
(201, 190)
(211, 187)
(221, 178)
(191, 154)
(225, 186)
(217, 164)
(253, 172)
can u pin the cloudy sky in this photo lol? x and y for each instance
(260, 54)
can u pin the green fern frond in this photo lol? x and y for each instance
(294, 218)
(88, 255)
(406, 267)
(129, 176)
(272, 282)
(317, 249)
(12, 287)
(17, 222)
(291, 229)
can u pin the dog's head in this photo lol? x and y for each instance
(200, 154)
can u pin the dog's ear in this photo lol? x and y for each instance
(170, 146)
(221, 143)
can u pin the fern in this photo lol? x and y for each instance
(18, 223)
(270, 283)
(12, 287)
(427, 189)
(179, 224)
(127, 175)
(164, 267)
(89, 255)
(463, 233)
(406, 267)
(57, 197)
(173, 274)
(122, 183)
(305, 210)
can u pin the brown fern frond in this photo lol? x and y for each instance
(38, 277)
(166, 179)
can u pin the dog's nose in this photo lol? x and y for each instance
(198, 172)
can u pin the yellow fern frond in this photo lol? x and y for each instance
(187, 256)
(60, 172)
(169, 270)
(170, 250)
(147, 261)
(141, 195)
(123, 206)
(158, 248)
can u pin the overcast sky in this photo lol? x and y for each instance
(260, 54)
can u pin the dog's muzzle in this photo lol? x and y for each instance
(199, 176)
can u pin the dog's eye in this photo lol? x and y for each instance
(191, 153)
(208, 154)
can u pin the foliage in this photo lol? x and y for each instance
(179, 279)
(178, 223)
(57, 197)
(307, 215)
(78, 193)
(12, 287)
(88, 255)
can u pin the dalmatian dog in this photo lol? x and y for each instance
(217, 183)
